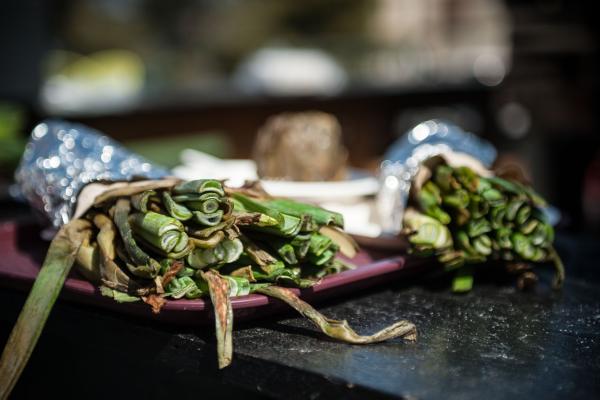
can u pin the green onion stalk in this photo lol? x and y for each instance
(464, 219)
(167, 240)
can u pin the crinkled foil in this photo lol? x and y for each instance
(62, 157)
(403, 159)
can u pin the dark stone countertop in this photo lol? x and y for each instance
(494, 342)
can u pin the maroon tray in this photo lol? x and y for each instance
(23, 251)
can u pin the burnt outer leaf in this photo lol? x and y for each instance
(87, 260)
(172, 272)
(209, 243)
(244, 272)
(340, 329)
(145, 266)
(111, 274)
(260, 256)
(252, 218)
(155, 301)
(219, 296)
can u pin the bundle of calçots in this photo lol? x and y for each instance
(464, 219)
(168, 239)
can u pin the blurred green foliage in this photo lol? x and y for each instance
(12, 140)
(166, 151)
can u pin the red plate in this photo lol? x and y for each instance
(23, 252)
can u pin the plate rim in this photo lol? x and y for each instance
(15, 274)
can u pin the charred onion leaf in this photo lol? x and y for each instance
(142, 264)
(219, 295)
(339, 329)
(111, 274)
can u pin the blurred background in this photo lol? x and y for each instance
(208, 73)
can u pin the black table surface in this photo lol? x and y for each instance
(495, 342)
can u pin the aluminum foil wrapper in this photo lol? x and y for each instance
(404, 157)
(62, 157)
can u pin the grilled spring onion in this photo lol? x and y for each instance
(470, 219)
(168, 239)
(319, 215)
(163, 233)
